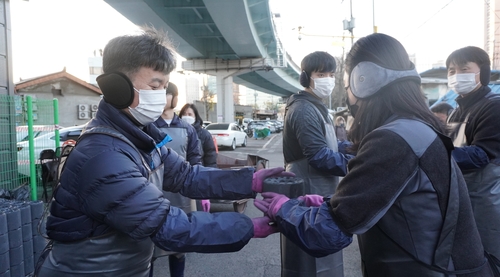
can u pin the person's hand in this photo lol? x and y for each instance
(262, 227)
(271, 203)
(344, 146)
(205, 204)
(261, 175)
(312, 200)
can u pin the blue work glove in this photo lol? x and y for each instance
(205, 204)
(261, 175)
(271, 203)
(262, 227)
(311, 200)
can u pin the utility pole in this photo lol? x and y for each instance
(350, 24)
(255, 104)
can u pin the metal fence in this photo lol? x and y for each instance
(33, 129)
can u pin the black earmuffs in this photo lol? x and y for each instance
(117, 89)
(304, 80)
(484, 75)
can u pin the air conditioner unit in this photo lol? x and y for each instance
(83, 115)
(83, 107)
(93, 114)
(93, 107)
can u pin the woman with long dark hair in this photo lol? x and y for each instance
(190, 114)
(403, 196)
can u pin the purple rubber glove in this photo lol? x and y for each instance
(205, 204)
(261, 227)
(261, 175)
(311, 200)
(271, 203)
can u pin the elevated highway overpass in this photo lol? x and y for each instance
(234, 40)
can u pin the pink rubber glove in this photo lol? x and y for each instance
(261, 227)
(261, 175)
(205, 204)
(271, 203)
(312, 200)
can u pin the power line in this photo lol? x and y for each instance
(425, 22)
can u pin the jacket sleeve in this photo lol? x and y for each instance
(204, 232)
(193, 155)
(119, 196)
(485, 137)
(198, 182)
(330, 161)
(470, 157)
(311, 228)
(209, 152)
(309, 131)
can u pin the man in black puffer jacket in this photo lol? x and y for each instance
(108, 209)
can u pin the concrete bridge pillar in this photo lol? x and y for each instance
(225, 103)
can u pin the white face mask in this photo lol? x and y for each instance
(323, 87)
(189, 119)
(151, 105)
(463, 83)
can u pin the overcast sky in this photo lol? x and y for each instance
(48, 35)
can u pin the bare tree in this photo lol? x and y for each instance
(207, 99)
(338, 97)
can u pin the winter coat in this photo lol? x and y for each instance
(307, 138)
(208, 152)
(407, 202)
(185, 143)
(105, 196)
(474, 128)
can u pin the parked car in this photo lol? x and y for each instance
(267, 123)
(227, 134)
(38, 130)
(206, 123)
(278, 124)
(43, 142)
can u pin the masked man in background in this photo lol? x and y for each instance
(310, 146)
(474, 127)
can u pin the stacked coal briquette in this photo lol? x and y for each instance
(20, 242)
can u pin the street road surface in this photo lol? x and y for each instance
(260, 257)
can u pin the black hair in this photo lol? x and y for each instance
(195, 110)
(127, 54)
(404, 98)
(318, 61)
(442, 107)
(473, 54)
(172, 89)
